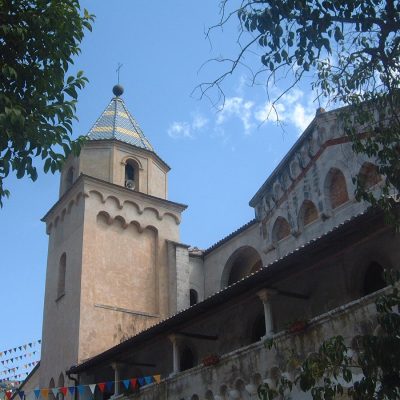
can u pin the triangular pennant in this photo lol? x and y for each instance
(55, 392)
(71, 390)
(157, 378)
(39, 341)
(141, 381)
(126, 383)
(9, 394)
(134, 383)
(92, 388)
(101, 386)
(15, 349)
(109, 385)
(81, 389)
(63, 390)
(44, 393)
(148, 380)
(30, 344)
(20, 348)
(25, 346)
(5, 352)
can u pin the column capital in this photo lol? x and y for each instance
(266, 294)
(175, 338)
(116, 365)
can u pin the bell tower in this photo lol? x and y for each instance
(107, 270)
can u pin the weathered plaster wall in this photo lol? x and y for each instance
(216, 260)
(124, 265)
(61, 316)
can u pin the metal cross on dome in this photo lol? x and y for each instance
(119, 66)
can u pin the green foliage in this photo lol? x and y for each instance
(38, 40)
(349, 49)
(370, 372)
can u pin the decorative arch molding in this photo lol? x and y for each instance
(67, 209)
(140, 210)
(109, 220)
(241, 263)
(125, 160)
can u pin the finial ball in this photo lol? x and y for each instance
(118, 90)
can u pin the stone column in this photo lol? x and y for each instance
(175, 353)
(116, 368)
(265, 296)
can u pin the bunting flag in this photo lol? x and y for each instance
(43, 393)
(81, 389)
(20, 347)
(126, 383)
(134, 383)
(101, 386)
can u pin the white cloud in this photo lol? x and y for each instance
(199, 122)
(293, 107)
(178, 130)
(184, 129)
(240, 108)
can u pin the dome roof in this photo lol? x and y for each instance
(116, 122)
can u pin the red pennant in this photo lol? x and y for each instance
(63, 390)
(134, 382)
(101, 386)
(8, 395)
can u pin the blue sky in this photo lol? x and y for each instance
(219, 158)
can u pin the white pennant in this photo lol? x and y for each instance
(92, 388)
(55, 391)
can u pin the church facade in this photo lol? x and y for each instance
(125, 298)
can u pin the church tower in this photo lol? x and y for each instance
(109, 238)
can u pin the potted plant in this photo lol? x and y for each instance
(210, 359)
(299, 325)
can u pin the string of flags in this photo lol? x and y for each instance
(14, 369)
(19, 348)
(133, 383)
(11, 360)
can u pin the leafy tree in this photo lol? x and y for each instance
(38, 40)
(369, 372)
(349, 49)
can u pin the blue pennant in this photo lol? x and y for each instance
(141, 381)
(37, 393)
(109, 385)
(71, 389)
(81, 389)
(126, 383)
(148, 379)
